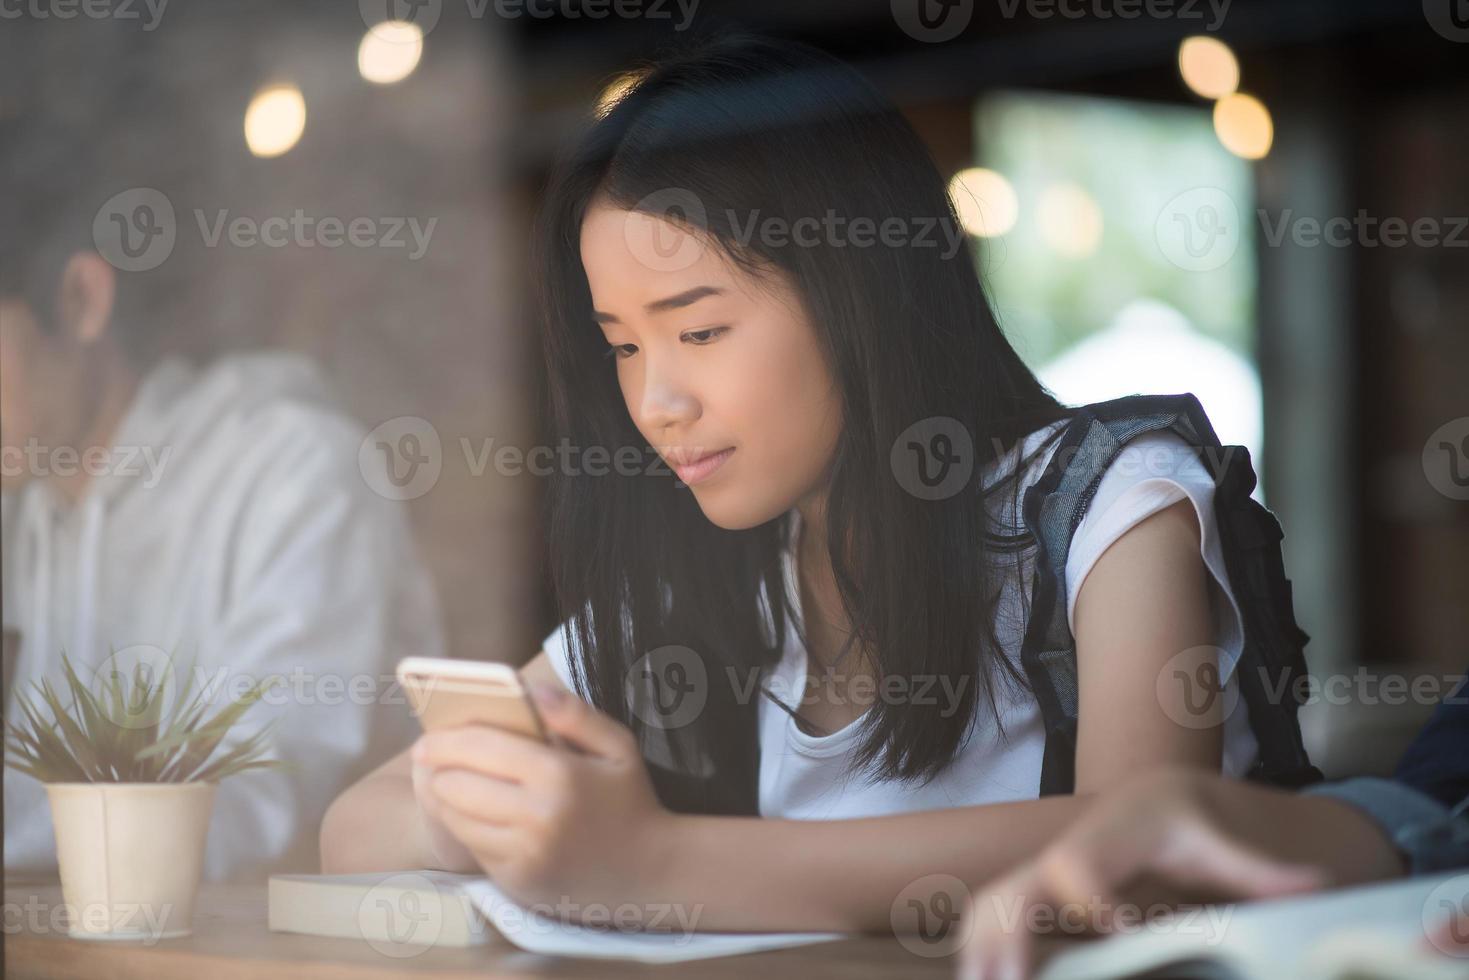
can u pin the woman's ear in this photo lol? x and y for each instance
(88, 287)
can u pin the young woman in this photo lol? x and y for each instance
(750, 264)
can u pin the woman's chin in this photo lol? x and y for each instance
(726, 510)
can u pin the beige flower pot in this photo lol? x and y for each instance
(131, 855)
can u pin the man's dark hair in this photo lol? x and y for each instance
(43, 213)
(95, 118)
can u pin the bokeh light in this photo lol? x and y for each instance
(390, 51)
(1244, 126)
(275, 120)
(985, 201)
(1208, 67)
(1070, 220)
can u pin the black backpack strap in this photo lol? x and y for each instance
(1053, 509)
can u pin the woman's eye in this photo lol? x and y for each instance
(621, 351)
(704, 336)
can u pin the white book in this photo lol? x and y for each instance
(404, 911)
(1372, 932)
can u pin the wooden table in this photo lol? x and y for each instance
(231, 941)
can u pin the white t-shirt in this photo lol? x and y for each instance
(805, 776)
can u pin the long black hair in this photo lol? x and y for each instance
(745, 125)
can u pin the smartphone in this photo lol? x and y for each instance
(444, 693)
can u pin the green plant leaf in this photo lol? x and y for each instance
(126, 730)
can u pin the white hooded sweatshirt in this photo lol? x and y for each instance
(234, 531)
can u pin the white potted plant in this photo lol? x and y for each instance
(131, 785)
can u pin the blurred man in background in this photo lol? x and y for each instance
(216, 515)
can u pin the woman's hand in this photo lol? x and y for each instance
(448, 854)
(550, 823)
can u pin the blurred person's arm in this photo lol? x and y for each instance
(327, 592)
(1177, 838)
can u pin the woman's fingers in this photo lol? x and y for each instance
(482, 749)
(999, 945)
(582, 725)
(1201, 857)
(490, 843)
(485, 798)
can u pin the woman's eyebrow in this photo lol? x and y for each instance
(686, 298)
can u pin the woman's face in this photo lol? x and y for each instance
(712, 362)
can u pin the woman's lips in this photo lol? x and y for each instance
(702, 469)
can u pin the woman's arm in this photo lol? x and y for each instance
(552, 825)
(1144, 633)
(376, 824)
